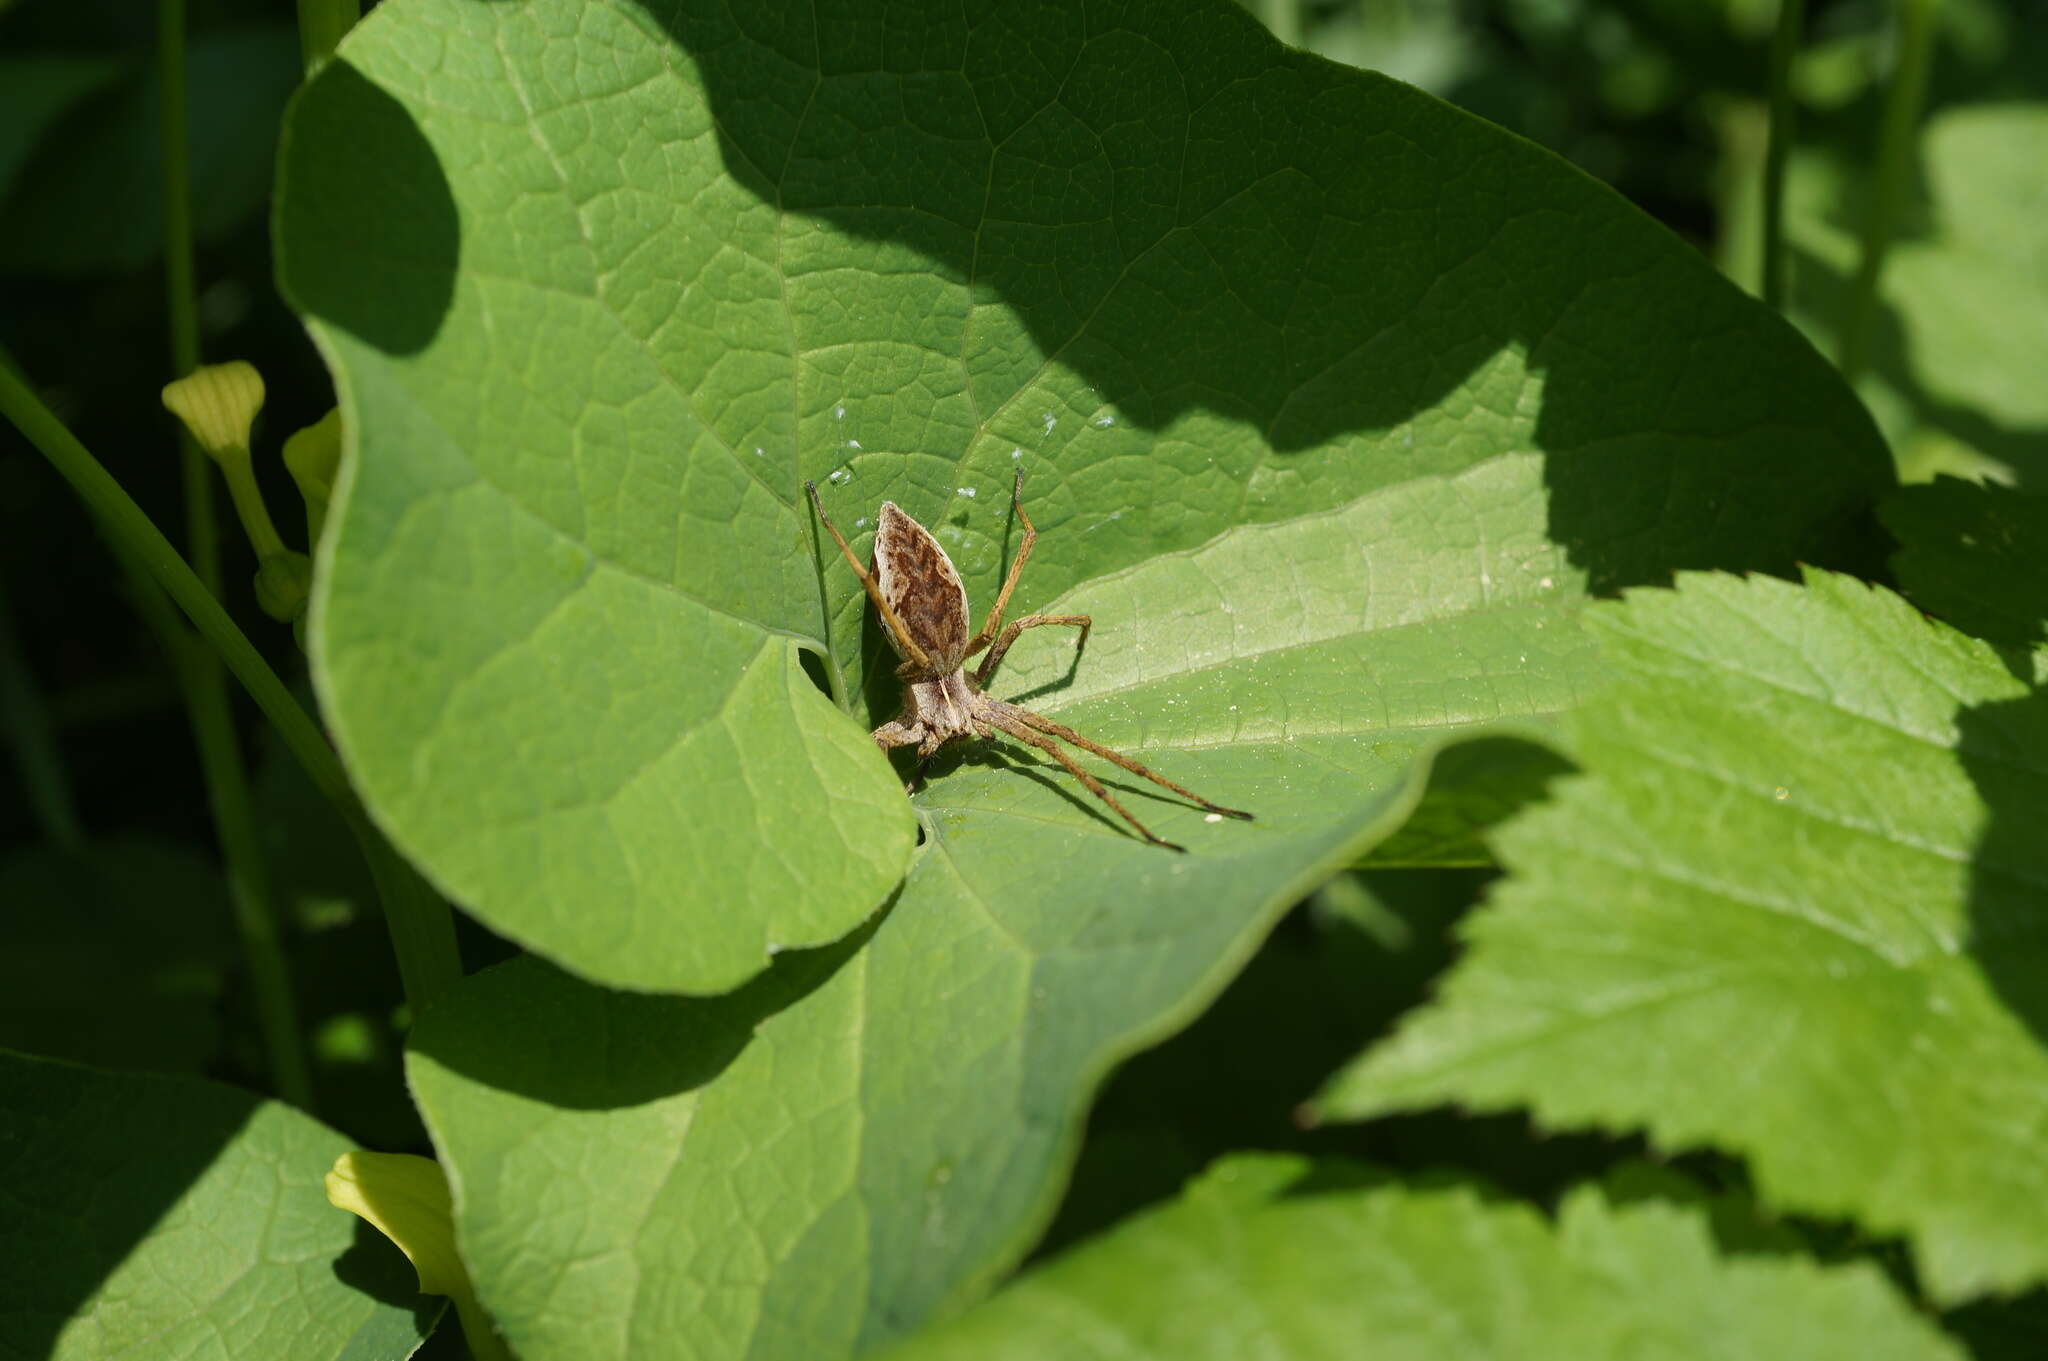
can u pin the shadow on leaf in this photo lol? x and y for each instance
(2004, 748)
(380, 266)
(1350, 271)
(529, 1028)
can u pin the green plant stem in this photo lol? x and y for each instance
(422, 930)
(201, 681)
(202, 528)
(27, 722)
(1895, 155)
(1784, 49)
(322, 24)
(234, 821)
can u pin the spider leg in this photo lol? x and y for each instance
(1060, 730)
(1015, 728)
(916, 780)
(906, 646)
(896, 733)
(1030, 621)
(995, 611)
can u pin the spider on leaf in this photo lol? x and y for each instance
(923, 605)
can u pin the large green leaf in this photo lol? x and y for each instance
(822, 1160)
(1282, 1258)
(601, 287)
(1795, 908)
(166, 1218)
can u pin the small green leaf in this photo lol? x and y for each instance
(161, 1217)
(1282, 1257)
(1975, 555)
(1795, 908)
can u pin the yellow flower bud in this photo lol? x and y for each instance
(406, 1199)
(218, 404)
(314, 457)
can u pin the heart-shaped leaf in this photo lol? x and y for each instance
(1282, 1257)
(1335, 404)
(602, 286)
(925, 1092)
(163, 1217)
(1794, 908)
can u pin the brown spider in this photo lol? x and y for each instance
(923, 605)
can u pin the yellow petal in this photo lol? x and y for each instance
(406, 1199)
(314, 456)
(218, 403)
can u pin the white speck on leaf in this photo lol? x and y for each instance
(759, 452)
(1781, 793)
(1545, 583)
(839, 477)
(967, 492)
(1049, 419)
(853, 444)
(839, 413)
(1105, 420)
(1212, 817)
(861, 523)
(1016, 454)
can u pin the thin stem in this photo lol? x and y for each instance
(202, 529)
(418, 922)
(234, 821)
(1784, 50)
(1895, 155)
(198, 670)
(322, 25)
(835, 679)
(422, 929)
(28, 727)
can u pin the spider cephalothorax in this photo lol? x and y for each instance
(923, 605)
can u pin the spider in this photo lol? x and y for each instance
(923, 606)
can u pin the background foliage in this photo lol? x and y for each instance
(1386, 450)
